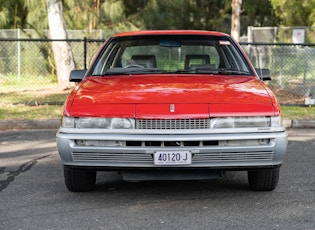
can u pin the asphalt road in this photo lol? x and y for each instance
(33, 194)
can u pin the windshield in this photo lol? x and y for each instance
(171, 54)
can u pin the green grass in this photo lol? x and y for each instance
(11, 82)
(21, 112)
(30, 97)
(33, 97)
(298, 113)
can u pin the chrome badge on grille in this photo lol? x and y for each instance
(172, 108)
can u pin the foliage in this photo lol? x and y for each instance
(158, 14)
(121, 15)
(295, 12)
(37, 14)
(13, 14)
(179, 14)
(82, 14)
(259, 13)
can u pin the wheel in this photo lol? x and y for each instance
(263, 180)
(79, 180)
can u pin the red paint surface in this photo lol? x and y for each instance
(150, 96)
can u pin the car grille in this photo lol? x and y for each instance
(198, 159)
(173, 124)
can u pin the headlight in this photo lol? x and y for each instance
(91, 122)
(122, 123)
(244, 122)
(67, 122)
(276, 121)
(98, 123)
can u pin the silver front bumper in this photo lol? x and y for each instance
(116, 150)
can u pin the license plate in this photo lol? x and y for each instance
(172, 158)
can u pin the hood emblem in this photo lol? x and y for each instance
(172, 108)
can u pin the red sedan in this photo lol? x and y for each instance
(171, 105)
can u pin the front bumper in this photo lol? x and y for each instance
(241, 149)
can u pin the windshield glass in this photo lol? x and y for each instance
(171, 54)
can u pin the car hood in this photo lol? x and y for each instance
(152, 96)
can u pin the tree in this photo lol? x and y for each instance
(13, 14)
(178, 14)
(36, 16)
(295, 12)
(62, 50)
(92, 15)
(114, 15)
(83, 14)
(236, 22)
(258, 13)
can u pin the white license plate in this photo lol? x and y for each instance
(172, 158)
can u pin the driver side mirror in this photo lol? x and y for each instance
(264, 74)
(77, 75)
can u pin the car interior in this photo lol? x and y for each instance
(147, 61)
(198, 60)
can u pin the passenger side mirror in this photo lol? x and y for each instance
(264, 74)
(77, 75)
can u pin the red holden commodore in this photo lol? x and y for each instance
(171, 105)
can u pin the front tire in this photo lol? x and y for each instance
(79, 180)
(263, 180)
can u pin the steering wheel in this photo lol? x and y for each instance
(133, 66)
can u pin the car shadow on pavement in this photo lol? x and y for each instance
(231, 181)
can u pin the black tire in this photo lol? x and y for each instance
(79, 180)
(264, 180)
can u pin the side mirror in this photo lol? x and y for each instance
(77, 75)
(264, 74)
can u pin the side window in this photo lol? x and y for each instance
(215, 57)
(107, 60)
(233, 59)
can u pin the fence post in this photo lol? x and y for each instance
(281, 66)
(305, 72)
(19, 54)
(85, 51)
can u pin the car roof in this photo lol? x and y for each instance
(170, 32)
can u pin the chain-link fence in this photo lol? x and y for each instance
(292, 69)
(27, 69)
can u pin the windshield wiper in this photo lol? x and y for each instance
(233, 72)
(127, 71)
(145, 70)
(197, 70)
(185, 71)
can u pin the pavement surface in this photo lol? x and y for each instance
(55, 124)
(33, 194)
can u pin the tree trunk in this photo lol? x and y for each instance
(62, 50)
(235, 24)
